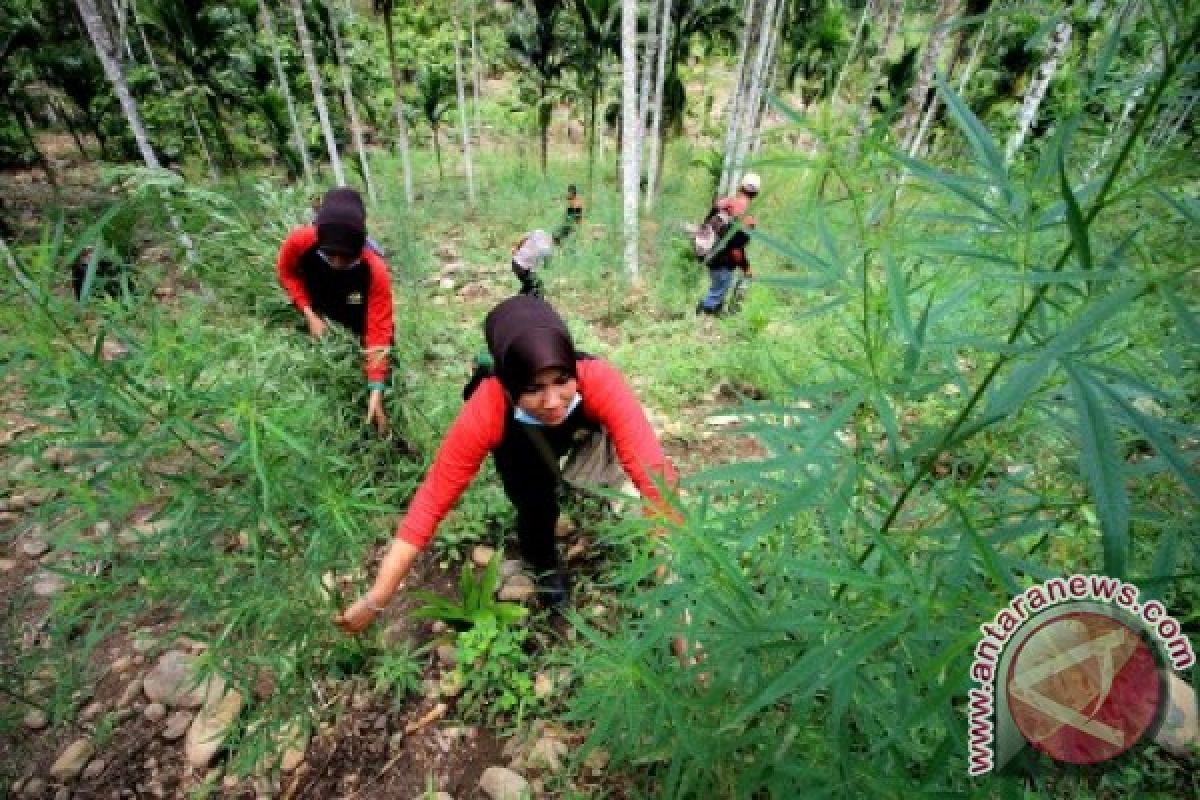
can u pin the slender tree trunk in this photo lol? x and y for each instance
(862, 24)
(314, 78)
(972, 61)
(656, 132)
(214, 174)
(760, 112)
(476, 77)
(437, 153)
(1037, 89)
(593, 101)
(348, 95)
(105, 51)
(647, 65)
(545, 115)
(749, 13)
(401, 112)
(895, 10)
(757, 79)
(281, 76)
(629, 140)
(112, 70)
(462, 106)
(919, 96)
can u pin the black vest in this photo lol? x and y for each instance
(338, 294)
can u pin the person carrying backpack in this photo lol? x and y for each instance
(542, 400)
(528, 255)
(330, 273)
(731, 256)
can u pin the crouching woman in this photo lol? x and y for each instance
(542, 401)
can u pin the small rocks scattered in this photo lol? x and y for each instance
(499, 783)
(48, 584)
(482, 555)
(174, 683)
(72, 760)
(133, 690)
(517, 589)
(208, 729)
(35, 547)
(548, 754)
(94, 769)
(36, 720)
(177, 725)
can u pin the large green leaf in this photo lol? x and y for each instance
(1101, 464)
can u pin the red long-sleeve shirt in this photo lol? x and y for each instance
(479, 429)
(377, 335)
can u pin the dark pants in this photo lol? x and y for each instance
(531, 284)
(532, 484)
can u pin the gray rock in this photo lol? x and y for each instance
(94, 769)
(174, 682)
(510, 567)
(48, 584)
(482, 555)
(91, 711)
(132, 692)
(209, 728)
(63, 794)
(36, 719)
(548, 753)
(34, 787)
(35, 547)
(121, 664)
(499, 783)
(72, 760)
(177, 725)
(447, 654)
(155, 712)
(7, 564)
(517, 589)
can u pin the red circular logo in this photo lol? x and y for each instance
(1083, 688)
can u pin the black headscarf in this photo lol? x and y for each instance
(342, 222)
(525, 336)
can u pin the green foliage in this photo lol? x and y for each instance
(476, 604)
(397, 672)
(836, 586)
(494, 670)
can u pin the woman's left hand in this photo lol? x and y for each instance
(375, 415)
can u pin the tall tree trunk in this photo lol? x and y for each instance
(398, 104)
(593, 101)
(98, 33)
(462, 106)
(647, 65)
(348, 95)
(920, 95)
(629, 139)
(1037, 89)
(545, 115)
(750, 13)
(862, 24)
(214, 174)
(760, 113)
(656, 132)
(476, 77)
(281, 76)
(314, 78)
(972, 62)
(757, 80)
(105, 51)
(894, 11)
(437, 153)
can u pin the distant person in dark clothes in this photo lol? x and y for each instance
(527, 258)
(574, 217)
(733, 255)
(543, 398)
(330, 273)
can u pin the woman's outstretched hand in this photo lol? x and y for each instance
(357, 617)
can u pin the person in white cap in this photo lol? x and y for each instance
(733, 255)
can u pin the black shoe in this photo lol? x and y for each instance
(553, 590)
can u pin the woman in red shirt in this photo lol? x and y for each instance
(543, 398)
